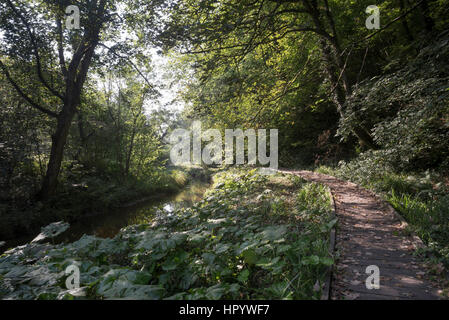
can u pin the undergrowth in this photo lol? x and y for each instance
(251, 237)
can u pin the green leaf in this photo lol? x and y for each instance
(215, 292)
(332, 223)
(51, 231)
(274, 232)
(311, 260)
(243, 276)
(169, 265)
(250, 256)
(266, 262)
(222, 248)
(327, 261)
(187, 280)
(209, 258)
(141, 292)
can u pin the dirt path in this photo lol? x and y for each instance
(370, 232)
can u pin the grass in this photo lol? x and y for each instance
(251, 237)
(429, 220)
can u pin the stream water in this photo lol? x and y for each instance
(107, 225)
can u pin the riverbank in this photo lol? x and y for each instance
(251, 237)
(94, 196)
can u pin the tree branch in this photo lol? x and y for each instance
(245, 45)
(61, 49)
(112, 50)
(392, 21)
(36, 51)
(23, 95)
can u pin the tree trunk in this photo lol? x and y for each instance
(334, 66)
(339, 96)
(428, 21)
(131, 146)
(74, 85)
(59, 139)
(74, 75)
(404, 22)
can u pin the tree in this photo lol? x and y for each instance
(44, 44)
(233, 29)
(227, 32)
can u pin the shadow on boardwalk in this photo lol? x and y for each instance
(370, 232)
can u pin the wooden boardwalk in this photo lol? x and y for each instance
(369, 233)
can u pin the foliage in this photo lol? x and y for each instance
(292, 65)
(114, 155)
(309, 68)
(22, 153)
(228, 245)
(408, 110)
(51, 231)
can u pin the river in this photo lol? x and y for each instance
(108, 224)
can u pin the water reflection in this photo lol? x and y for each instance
(109, 224)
